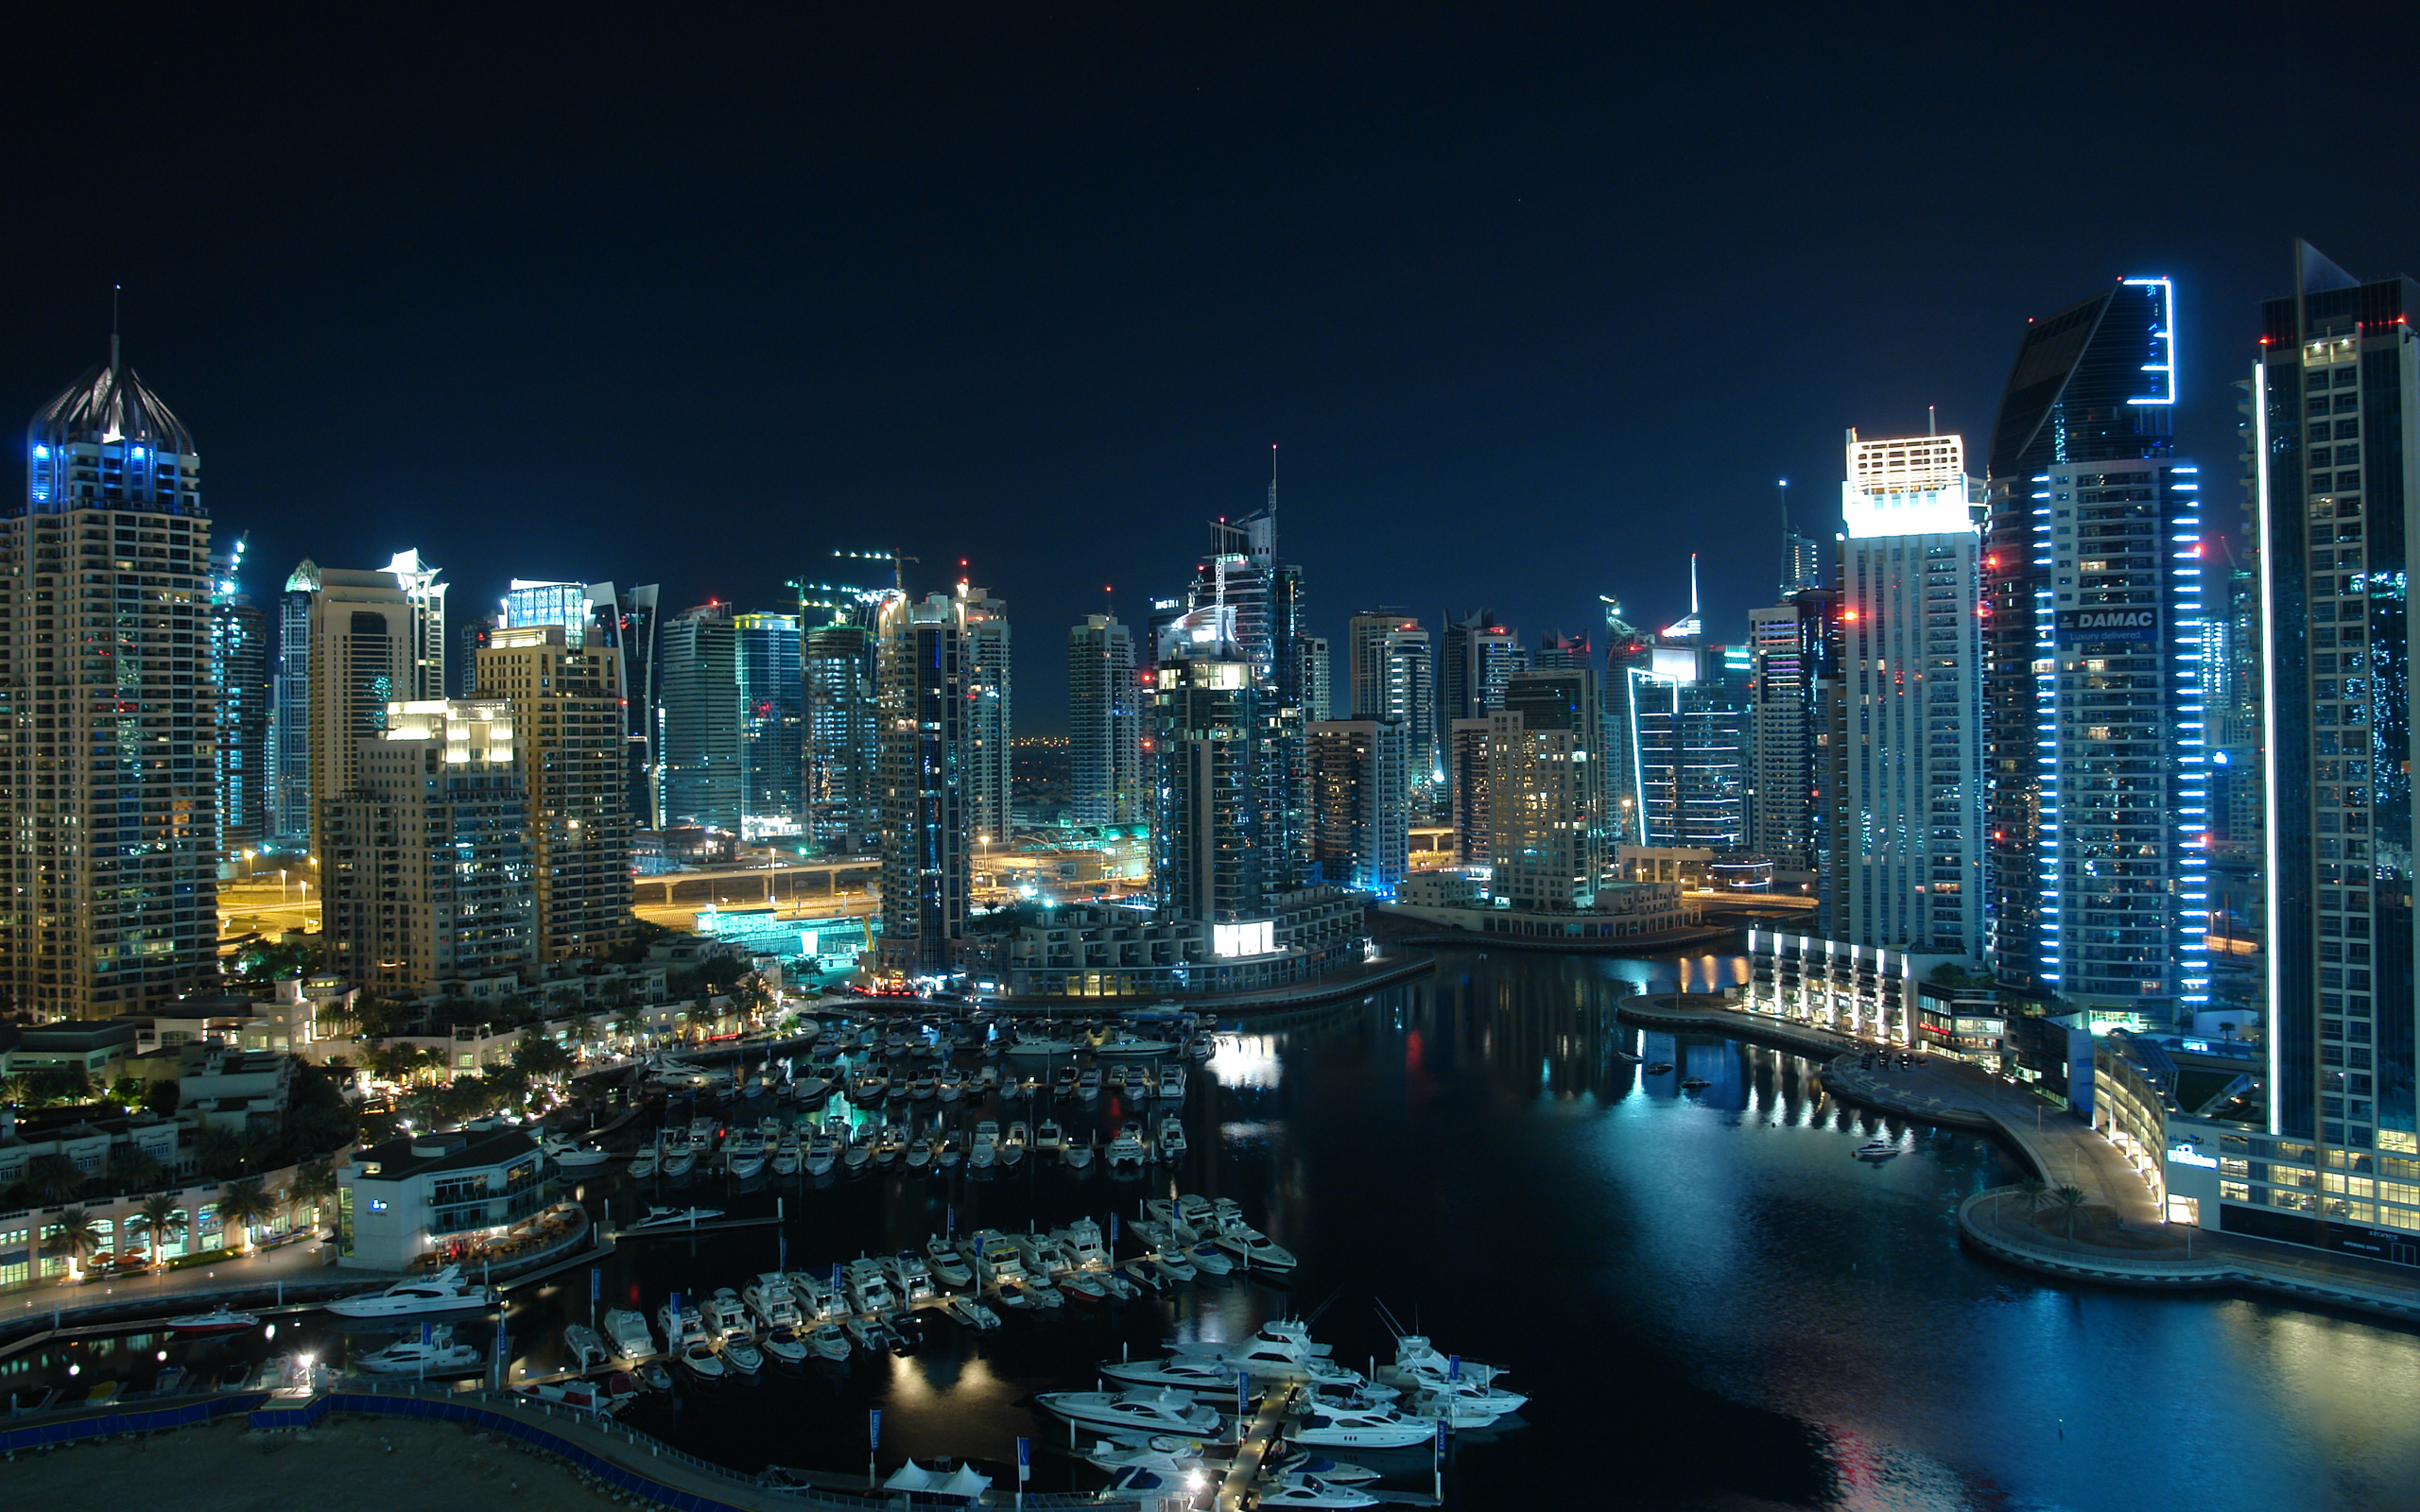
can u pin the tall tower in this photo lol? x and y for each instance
(2095, 383)
(1360, 810)
(843, 744)
(567, 707)
(240, 664)
(986, 620)
(108, 884)
(289, 748)
(1478, 657)
(1796, 672)
(1547, 823)
(1210, 825)
(2336, 410)
(1907, 828)
(772, 724)
(926, 691)
(1104, 724)
(1394, 678)
(377, 639)
(700, 739)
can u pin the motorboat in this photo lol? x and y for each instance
(865, 1333)
(870, 1085)
(1136, 1080)
(1694, 1084)
(586, 1395)
(445, 1292)
(1254, 1250)
(950, 1084)
(1050, 1139)
(238, 1376)
(1015, 1143)
(949, 1268)
(626, 1327)
(1415, 1354)
(972, 1313)
(947, 1153)
(1172, 1087)
(1138, 1413)
(1302, 1462)
(1150, 1486)
(1125, 1152)
(922, 1088)
(906, 1333)
(1659, 1067)
(818, 1302)
(867, 1288)
(1182, 1372)
(220, 1319)
(1173, 1267)
(1337, 1425)
(1877, 1150)
(811, 1089)
(822, 1153)
(570, 1157)
(1172, 1144)
(1165, 1451)
(1278, 1339)
(1082, 1242)
(920, 1153)
(1310, 1490)
(701, 1133)
(587, 1347)
(1088, 1084)
(682, 1323)
(746, 1157)
(1207, 1258)
(740, 1353)
(891, 1143)
(679, 1157)
(858, 1154)
(997, 1258)
(1127, 1042)
(1077, 1156)
(700, 1361)
(986, 1147)
(1082, 1289)
(1038, 1048)
(661, 1218)
(644, 1164)
(1463, 1403)
(772, 1302)
(439, 1356)
(827, 1341)
(1064, 1083)
(787, 1154)
(910, 1276)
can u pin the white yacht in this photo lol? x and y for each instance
(1088, 1084)
(1127, 1042)
(828, 1342)
(785, 1345)
(441, 1355)
(1037, 1048)
(867, 1288)
(679, 1157)
(748, 1155)
(786, 1154)
(445, 1292)
(1050, 1139)
(682, 1323)
(1416, 1354)
(822, 1153)
(771, 1301)
(817, 1302)
(910, 1276)
(1077, 1154)
(1256, 1251)
(570, 1157)
(1337, 1425)
(1013, 1144)
(587, 1347)
(996, 1258)
(1312, 1492)
(739, 1352)
(1081, 1240)
(642, 1164)
(700, 1359)
(626, 1327)
(674, 1218)
(1138, 1413)
(1301, 1462)
(1125, 1152)
(949, 1269)
(986, 1148)
(1172, 1082)
(972, 1313)
(1172, 1144)
(1207, 1258)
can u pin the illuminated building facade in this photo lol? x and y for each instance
(926, 689)
(1392, 677)
(843, 746)
(989, 722)
(567, 707)
(2094, 383)
(1360, 810)
(1105, 725)
(108, 706)
(699, 731)
(1908, 837)
(289, 744)
(772, 724)
(1547, 823)
(239, 667)
(1794, 674)
(1477, 656)
(377, 639)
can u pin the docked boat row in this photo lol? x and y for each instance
(816, 1148)
(1209, 1236)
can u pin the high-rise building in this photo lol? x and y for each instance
(425, 853)
(1360, 810)
(843, 744)
(1315, 676)
(1105, 725)
(1546, 825)
(989, 727)
(2336, 391)
(2123, 850)
(2091, 384)
(240, 664)
(927, 697)
(1796, 649)
(699, 719)
(1263, 600)
(471, 637)
(108, 901)
(1210, 823)
(772, 724)
(1691, 754)
(1908, 835)
(289, 747)
(377, 639)
(1467, 775)
(1556, 651)
(1393, 677)
(569, 740)
(1477, 656)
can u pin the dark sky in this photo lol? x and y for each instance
(1536, 300)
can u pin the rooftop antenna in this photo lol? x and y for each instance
(1789, 551)
(116, 289)
(1273, 488)
(1931, 424)
(1693, 585)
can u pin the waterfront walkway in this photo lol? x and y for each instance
(2120, 1237)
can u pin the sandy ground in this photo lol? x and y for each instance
(370, 1463)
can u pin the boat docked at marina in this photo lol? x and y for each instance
(1312, 1492)
(771, 1301)
(445, 1292)
(1339, 1425)
(680, 1156)
(587, 1347)
(661, 1219)
(438, 1356)
(1125, 1153)
(626, 1330)
(1876, 1150)
(1172, 1146)
(220, 1319)
(949, 1268)
(1141, 1413)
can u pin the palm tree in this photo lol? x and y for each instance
(216, 1151)
(76, 1237)
(2032, 1188)
(136, 1166)
(53, 1177)
(2072, 1199)
(244, 1204)
(315, 1185)
(161, 1218)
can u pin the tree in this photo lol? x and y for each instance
(582, 1032)
(162, 1220)
(128, 1090)
(315, 1185)
(76, 1237)
(2072, 1199)
(244, 1205)
(54, 1179)
(16, 1088)
(539, 1058)
(218, 1152)
(134, 1166)
(391, 1063)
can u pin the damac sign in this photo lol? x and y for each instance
(2109, 625)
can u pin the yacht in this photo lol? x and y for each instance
(746, 1157)
(1302, 1462)
(910, 1276)
(1182, 1372)
(972, 1313)
(682, 1323)
(828, 1342)
(1127, 1042)
(626, 1327)
(570, 1157)
(1078, 1155)
(1041, 1048)
(950, 1084)
(920, 1153)
(1313, 1491)
(866, 1287)
(1013, 1144)
(1206, 1257)
(1251, 1249)
(1171, 1137)
(1416, 1354)
(445, 1292)
(822, 1153)
(441, 1355)
(700, 1359)
(1172, 1083)
(679, 1157)
(858, 1154)
(787, 1154)
(817, 1300)
(771, 1301)
(785, 1345)
(998, 1258)
(674, 1218)
(1339, 1425)
(587, 1347)
(1063, 1083)
(1050, 1139)
(1136, 1413)
(1044, 1259)
(643, 1165)
(986, 1148)
(1125, 1153)
(1088, 1084)
(1877, 1150)
(949, 1270)
(1082, 1242)
(739, 1352)
(219, 1319)
(1173, 1267)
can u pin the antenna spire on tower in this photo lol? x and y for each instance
(116, 289)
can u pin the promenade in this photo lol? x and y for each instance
(2117, 1237)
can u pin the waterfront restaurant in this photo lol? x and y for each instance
(429, 1194)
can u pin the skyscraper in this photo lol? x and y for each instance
(1315, 677)
(1796, 647)
(1477, 656)
(1360, 810)
(1105, 725)
(926, 691)
(108, 899)
(1907, 846)
(843, 746)
(240, 664)
(424, 851)
(772, 724)
(1394, 678)
(1209, 827)
(2091, 384)
(1546, 828)
(2336, 390)
(700, 719)
(568, 724)
(986, 757)
(377, 639)
(289, 749)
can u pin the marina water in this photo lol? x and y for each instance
(1710, 1304)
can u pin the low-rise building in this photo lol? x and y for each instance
(1093, 951)
(401, 1199)
(1877, 993)
(93, 1046)
(228, 1088)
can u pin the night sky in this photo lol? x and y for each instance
(1535, 301)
